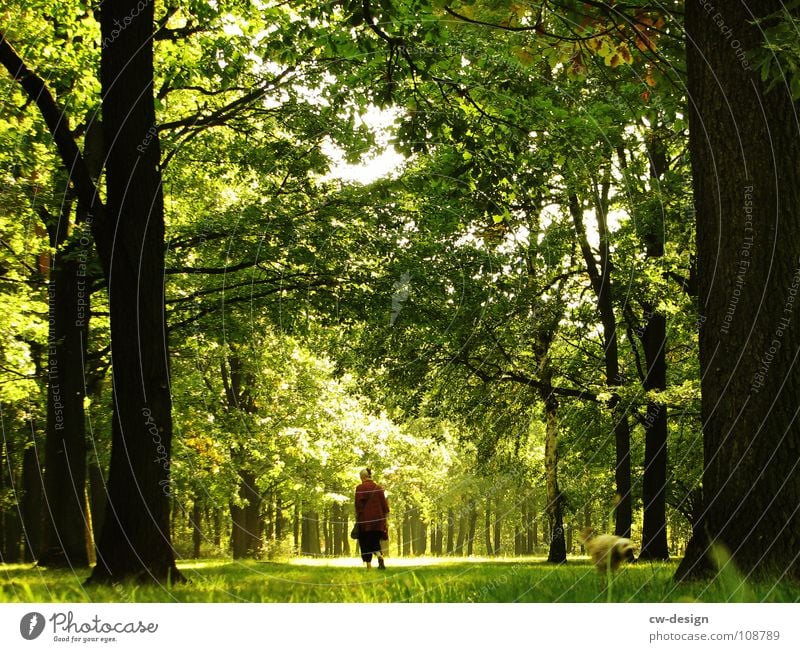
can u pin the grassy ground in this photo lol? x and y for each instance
(414, 580)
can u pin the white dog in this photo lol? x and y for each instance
(607, 550)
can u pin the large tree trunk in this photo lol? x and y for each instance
(10, 522)
(245, 534)
(64, 542)
(654, 342)
(135, 540)
(31, 507)
(745, 150)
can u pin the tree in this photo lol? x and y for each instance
(135, 540)
(744, 150)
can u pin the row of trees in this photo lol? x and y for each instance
(529, 281)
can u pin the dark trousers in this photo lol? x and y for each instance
(369, 542)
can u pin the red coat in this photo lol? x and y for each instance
(371, 507)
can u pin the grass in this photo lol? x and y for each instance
(407, 580)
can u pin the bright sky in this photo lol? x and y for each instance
(387, 161)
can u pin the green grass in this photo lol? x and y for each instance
(416, 580)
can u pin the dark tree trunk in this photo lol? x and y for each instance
(532, 538)
(600, 277)
(407, 533)
(487, 526)
(197, 532)
(498, 525)
(462, 533)
(217, 528)
(473, 523)
(419, 533)
(328, 534)
(245, 534)
(136, 540)
(744, 146)
(64, 540)
(309, 534)
(32, 500)
(296, 525)
(654, 479)
(557, 553)
(10, 523)
(451, 525)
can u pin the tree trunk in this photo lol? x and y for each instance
(473, 522)
(450, 530)
(136, 540)
(487, 526)
(245, 534)
(557, 553)
(10, 523)
(64, 540)
(654, 479)
(407, 533)
(601, 284)
(462, 532)
(309, 537)
(498, 524)
(31, 506)
(197, 532)
(744, 147)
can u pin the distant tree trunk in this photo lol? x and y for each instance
(309, 538)
(462, 532)
(407, 533)
(328, 534)
(744, 152)
(419, 534)
(519, 547)
(498, 524)
(135, 540)
(570, 532)
(336, 516)
(245, 532)
(217, 528)
(279, 518)
(450, 530)
(296, 525)
(532, 539)
(473, 522)
(487, 528)
(197, 532)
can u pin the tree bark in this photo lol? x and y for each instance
(654, 479)
(450, 530)
(135, 541)
(245, 535)
(601, 285)
(64, 541)
(31, 507)
(744, 148)
(487, 526)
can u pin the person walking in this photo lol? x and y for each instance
(371, 511)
